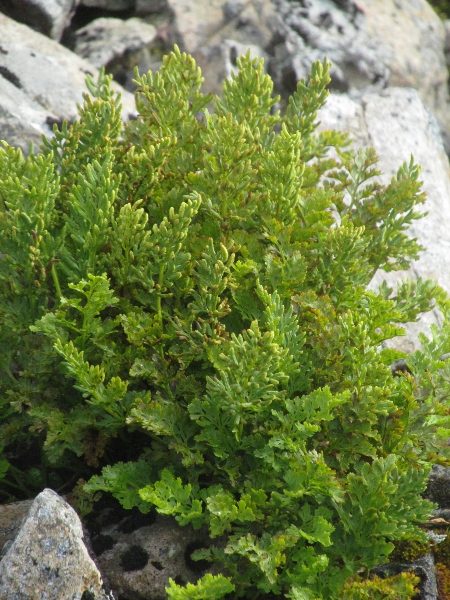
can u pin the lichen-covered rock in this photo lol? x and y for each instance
(48, 558)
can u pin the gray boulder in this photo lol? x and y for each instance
(217, 32)
(41, 83)
(117, 45)
(397, 124)
(50, 17)
(48, 558)
(371, 43)
(22, 120)
(218, 61)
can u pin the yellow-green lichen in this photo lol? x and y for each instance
(397, 587)
(409, 550)
(443, 581)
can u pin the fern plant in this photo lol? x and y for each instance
(185, 319)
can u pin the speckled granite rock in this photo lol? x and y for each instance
(11, 519)
(48, 559)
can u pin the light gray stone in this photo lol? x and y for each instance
(22, 121)
(214, 31)
(117, 45)
(397, 124)
(48, 559)
(40, 82)
(50, 17)
(199, 23)
(11, 519)
(218, 61)
(371, 43)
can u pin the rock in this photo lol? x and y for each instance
(336, 30)
(140, 553)
(11, 518)
(48, 558)
(22, 121)
(423, 567)
(117, 45)
(371, 43)
(397, 124)
(50, 17)
(151, 7)
(438, 488)
(217, 32)
(219, 61)
(447, 41)
(29, 104)
(195, 22)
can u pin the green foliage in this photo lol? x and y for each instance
(186, 322)
(210, 587)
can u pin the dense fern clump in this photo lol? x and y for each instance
(186, 322)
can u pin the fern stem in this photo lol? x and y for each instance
(56, 280)
(158, 299)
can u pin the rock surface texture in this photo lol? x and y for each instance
(48, 558)
(11, 518)
(371, 43)
(139, 555)
(117, 45)
(423, 568)
(41, 83)
(50, 17)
